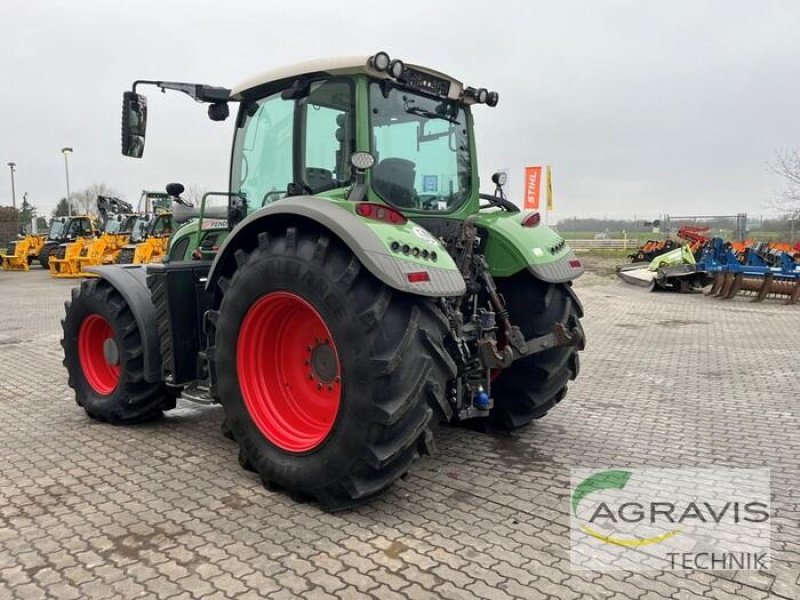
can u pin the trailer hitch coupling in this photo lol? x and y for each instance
(559, 336)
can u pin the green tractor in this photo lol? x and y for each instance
(353, 289)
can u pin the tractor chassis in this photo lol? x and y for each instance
(179, 305)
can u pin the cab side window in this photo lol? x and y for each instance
(265, 169)
(328, 134)
(303, 143)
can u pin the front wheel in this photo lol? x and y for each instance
(103, 354)
(45, 253)
(329, 379)
(533, 385)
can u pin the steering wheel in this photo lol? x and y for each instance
(428, 201)
(266, 200)
(498, 202)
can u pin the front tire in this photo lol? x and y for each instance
(531, 386)
(103, 354)
(46, 252)
(329, 379)
(126, 255)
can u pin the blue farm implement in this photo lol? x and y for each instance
(761, 275)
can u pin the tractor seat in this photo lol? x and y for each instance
(318, 179)
(393, 179)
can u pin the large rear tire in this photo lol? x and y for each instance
(103, 354)
(329, 379)
(532, 386)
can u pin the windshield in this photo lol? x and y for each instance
(127, 224)
(140, 229)
(56, 227)
(421, 147)
(113, 224)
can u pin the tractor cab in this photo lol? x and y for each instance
(64, 231)
(120, 224)
(298, 131)
(149, 225)
(68, 229)
(149, 238)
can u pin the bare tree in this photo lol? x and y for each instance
(786, 164)
(85, 201)
(194, 193)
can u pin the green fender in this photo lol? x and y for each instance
(371, 241)
(187, 238)
(510, 247)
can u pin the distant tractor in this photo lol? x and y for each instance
(355, 289)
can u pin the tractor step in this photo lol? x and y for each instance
(199, 393)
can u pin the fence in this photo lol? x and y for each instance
(624, 244)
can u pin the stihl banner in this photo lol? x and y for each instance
(533, 184)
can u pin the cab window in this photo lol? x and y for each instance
(328, 135)
(299, 146)
(265, 167)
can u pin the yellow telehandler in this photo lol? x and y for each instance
(117, 223)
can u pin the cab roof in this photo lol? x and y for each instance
(333, 66)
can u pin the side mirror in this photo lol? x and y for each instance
(499, 179)
(175, 189)
(134, 124)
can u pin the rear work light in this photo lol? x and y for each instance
(379, 212)
(532, 220)
(418, 277)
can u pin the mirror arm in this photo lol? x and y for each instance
(197, 91)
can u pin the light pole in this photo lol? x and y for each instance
(67, 151)
(12, 166)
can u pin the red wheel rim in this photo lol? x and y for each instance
(101, 374)
(289, 372)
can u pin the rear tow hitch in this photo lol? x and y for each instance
(560, 336)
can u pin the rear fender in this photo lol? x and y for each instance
(130, 281)
(511, 247)
(367, 241)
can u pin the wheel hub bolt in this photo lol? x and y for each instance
(111, 351)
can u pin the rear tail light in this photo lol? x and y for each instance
(532, 220)
(575, 263)
(418, 277)
(379, 212)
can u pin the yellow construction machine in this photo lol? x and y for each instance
(64, 231)
(148, 241)
(21, 253)
(117, 223)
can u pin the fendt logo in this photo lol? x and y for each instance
(720, 516)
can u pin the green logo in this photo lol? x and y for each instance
(610, 480)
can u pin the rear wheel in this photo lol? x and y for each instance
(532, 386)
(104, 359)
(329, 379)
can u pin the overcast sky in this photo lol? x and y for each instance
(642, 107)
